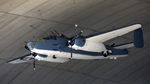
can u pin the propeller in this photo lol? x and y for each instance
(34, 55)
(58, 34)
(71, 53)
(72, 39)
(28, 46)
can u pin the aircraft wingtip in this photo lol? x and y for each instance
(138, 25)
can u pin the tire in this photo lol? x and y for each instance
(105, 54)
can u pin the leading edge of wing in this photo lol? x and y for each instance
(110, 34)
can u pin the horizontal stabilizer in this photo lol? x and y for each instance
(124, 46)
(138, 38)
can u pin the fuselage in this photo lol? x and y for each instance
(60, 49)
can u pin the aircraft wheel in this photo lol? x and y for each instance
(54, 56)
(105, 54)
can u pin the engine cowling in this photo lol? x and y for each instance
(80, 41)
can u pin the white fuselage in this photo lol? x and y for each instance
(89, 46)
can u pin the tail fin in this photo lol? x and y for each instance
(138, 38)
(138, 41)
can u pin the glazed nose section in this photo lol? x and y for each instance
(29, 46)
(80, 42)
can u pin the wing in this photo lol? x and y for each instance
(102, 37)
(59, 60)
(53, 59)
(25, 58)
(117, 51)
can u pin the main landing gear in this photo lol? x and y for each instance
(106, 53)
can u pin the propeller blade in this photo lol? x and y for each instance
(56, 33)
(53, 33)
(34, 64)
(75, 29)
(71, 53)
(77, 34)
(75, 37)
(34, 55)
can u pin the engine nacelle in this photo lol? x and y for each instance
(80, 41)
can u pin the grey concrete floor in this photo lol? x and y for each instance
(28, 20)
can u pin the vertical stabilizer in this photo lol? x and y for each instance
(138, 38)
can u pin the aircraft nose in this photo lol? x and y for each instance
(29, 46)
